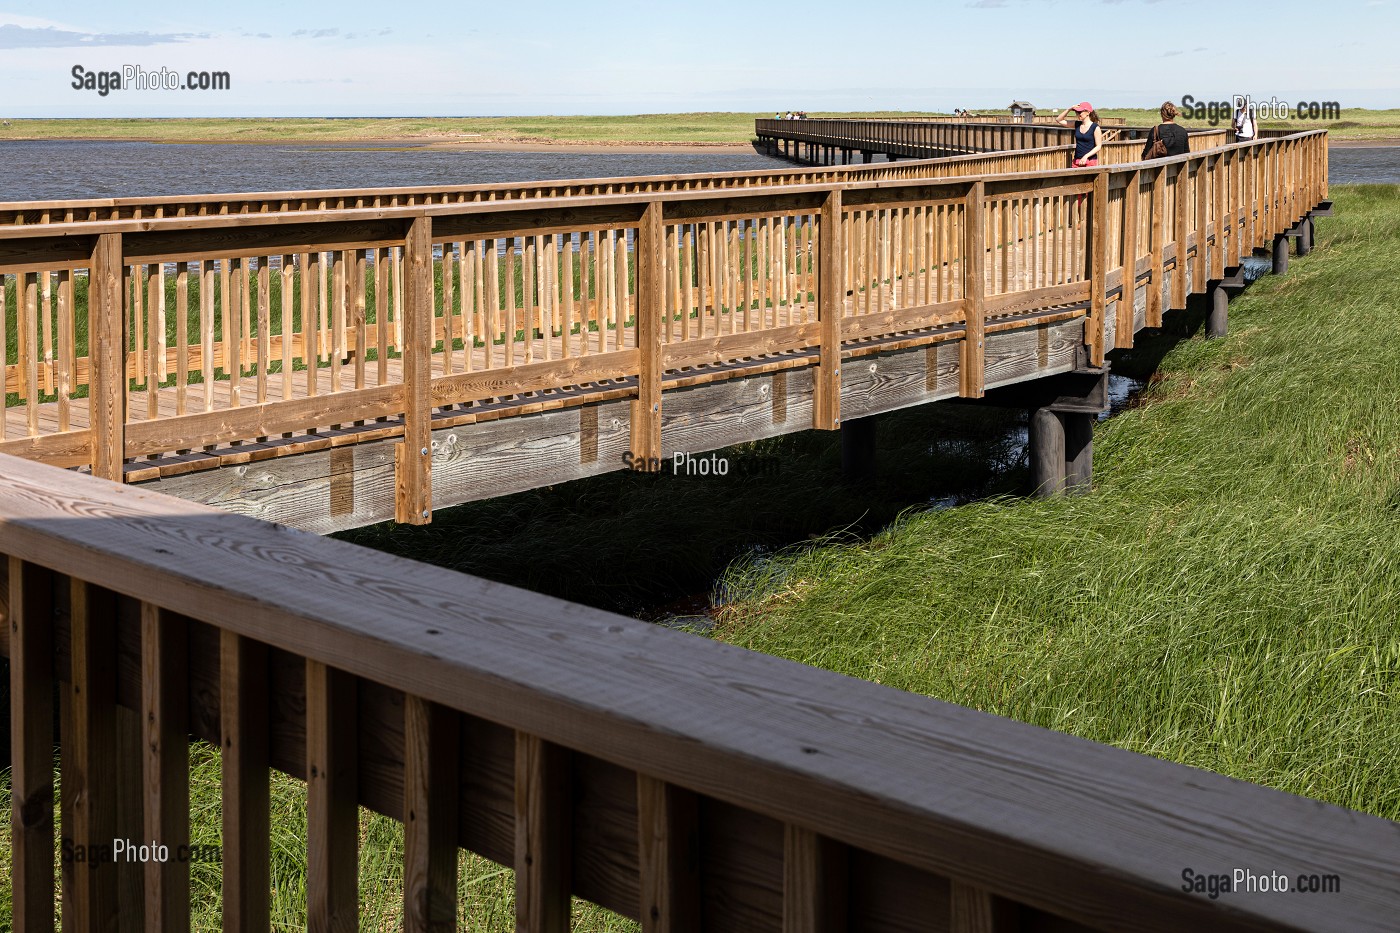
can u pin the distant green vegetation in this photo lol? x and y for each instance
(691, 128)
(1226, 598)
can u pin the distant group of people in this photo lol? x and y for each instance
(790, 115)
(1166, 139)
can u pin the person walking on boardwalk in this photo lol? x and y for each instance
(1088, 136)
(1173, 139)
(1243, 122)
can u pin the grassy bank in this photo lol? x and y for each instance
(1228, 596)
(676, 128)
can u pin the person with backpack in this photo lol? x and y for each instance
(1088, 136)
(1243, 122)
(1166, 139)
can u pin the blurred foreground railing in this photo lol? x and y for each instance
(678, 781)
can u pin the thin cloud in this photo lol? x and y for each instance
(317, 33)
(13, 36)
(988, 4)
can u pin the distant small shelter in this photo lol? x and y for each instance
(1022, 111)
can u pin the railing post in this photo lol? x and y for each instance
(543, 847)
(107, 383)
(1159, 210)
(31, 746)
(668, 855)
(1127, 299)
(243, 713)
(166, 763)
(1217, 253)
(1199, 184)
(413, 464)
(430, 788)
(831, 301)
(815, 883)
(972, 382)
(646, 410)
(332, 811)
(89, 759)
(974, 910)
(1178, 296)
(1096, 324)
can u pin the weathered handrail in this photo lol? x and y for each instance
(401, 319)
(689, 784)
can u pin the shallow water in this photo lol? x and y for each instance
(58, 169)
(45, 169)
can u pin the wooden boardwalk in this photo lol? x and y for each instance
(638, 316)
(677, 781)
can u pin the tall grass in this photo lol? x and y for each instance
(1226, 598)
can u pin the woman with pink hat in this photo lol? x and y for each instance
(1088, 136)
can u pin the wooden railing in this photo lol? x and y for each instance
(242, 203)
(1043, 119)
(159, 337)
(684, 783)
(926, 138)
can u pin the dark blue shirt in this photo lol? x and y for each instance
(1083, 142)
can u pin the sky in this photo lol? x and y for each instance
(353, 58)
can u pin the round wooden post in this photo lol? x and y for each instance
(858, 448)
(1047, 446)
(1218, 320)
(1079, 451)
(1305, 237)
(1280, 254)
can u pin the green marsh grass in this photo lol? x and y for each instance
(1229, 595)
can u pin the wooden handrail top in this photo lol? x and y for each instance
(631, 199)
(1076, 828)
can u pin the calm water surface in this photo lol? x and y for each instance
(41, 170)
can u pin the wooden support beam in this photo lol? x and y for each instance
(332, 812)
(1096, 255)
(668, 846)
(1217, 252)
(543, 847)
(243, 714)
(1047, 450)
(430, 787)
(31, 746)
(974, 287)
(815, 883)
(413, 463)
(165, 767)
(831, 304)
(107, 356)
(89, 759)
(650, 285)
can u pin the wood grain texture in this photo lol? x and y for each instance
(413, 457)
(165, 764)
(107, 351)
(31, 745)
(431, 740)
(898, 775)
(542, 835)
(332, 811)
(815, 883)
(668, 841)
(243, 695)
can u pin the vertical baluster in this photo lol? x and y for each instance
(264, 346)
(511, 323)
(568, 295)
(166, 764)
(543, 850)
(430, 782)
(356, 271)
(31, 746)
(233, 321)
(668, 846)
(29, 349)
(288, 328)
(206, 331)
(66, 363)
(332, 811)
(243, 692)
(381, 313)
(530, 306)
(815, 882)
(337, 276)
(311, 331)
(491, 259)
(155, 334)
